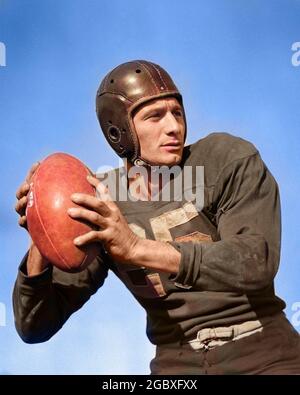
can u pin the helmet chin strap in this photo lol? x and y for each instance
(143, 162)
(140, 162)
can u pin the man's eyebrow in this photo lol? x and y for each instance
(159, 108)
(149, 110)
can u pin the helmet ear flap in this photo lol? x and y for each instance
(113, 118)
(114, 134)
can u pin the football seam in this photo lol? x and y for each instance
(47, 235)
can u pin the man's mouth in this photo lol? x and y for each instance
(172, 145)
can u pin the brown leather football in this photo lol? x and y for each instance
(51, 228)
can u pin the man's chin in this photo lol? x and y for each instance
(171, 160)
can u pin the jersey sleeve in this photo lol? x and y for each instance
(43, 303)
(246, 257)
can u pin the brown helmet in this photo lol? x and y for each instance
(123, 90)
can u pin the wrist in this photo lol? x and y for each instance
(135, 251)
(155, 255)
(36, 263)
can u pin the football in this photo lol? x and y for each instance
(50, 227)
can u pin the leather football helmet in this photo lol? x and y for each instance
(121, 92)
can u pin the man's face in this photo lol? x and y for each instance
(160, 128)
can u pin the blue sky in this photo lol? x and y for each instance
(231, 60)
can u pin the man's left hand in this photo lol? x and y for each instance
(118, 239)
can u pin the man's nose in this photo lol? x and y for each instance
(171, 124)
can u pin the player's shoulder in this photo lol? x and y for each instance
(222, 148)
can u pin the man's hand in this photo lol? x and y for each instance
(21, 196)
(118, 239)
(36, 263)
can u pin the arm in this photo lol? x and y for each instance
(43, 302)
(246, 259)
(36, 263)
(248, 218)
(119, 241)
(44, 297)
(155, 255)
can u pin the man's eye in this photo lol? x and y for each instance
(154, 115)
(178, 113)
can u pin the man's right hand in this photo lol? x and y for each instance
(36, 263)
(21, 195)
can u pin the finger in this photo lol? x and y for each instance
(103, 192)
(20, 206)
(91, 202)
(90, 171)
(93, 180)
(23, 221)
(101, 189)
(87, 215)
(87, 238)
(23, 190)
(31, 171)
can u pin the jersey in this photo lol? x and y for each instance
(229, 242)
